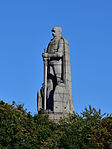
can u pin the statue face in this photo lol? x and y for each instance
(56, 32)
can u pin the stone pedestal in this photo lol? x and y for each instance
(54, 116)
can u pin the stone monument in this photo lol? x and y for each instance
(55, 96)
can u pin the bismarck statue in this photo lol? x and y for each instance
(55, 95)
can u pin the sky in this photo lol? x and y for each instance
(25, 30)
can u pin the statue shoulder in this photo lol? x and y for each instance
(49, 43)
(65, 40)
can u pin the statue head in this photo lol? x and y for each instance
(56, 31)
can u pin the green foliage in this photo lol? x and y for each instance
(20, 130)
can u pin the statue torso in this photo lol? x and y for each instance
(53, 46)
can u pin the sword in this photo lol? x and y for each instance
(45, 80)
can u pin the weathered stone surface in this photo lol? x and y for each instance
(55, 95)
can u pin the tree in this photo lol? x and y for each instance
(19, 129)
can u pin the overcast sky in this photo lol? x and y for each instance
(25, 30)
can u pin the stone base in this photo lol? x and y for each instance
(54, 116)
